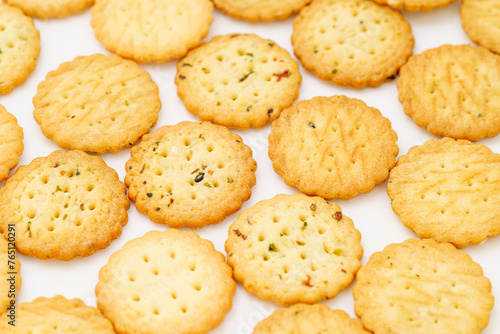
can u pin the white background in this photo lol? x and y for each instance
(64, 39)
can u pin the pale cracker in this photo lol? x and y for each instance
(10, 272)
(260, 10)
(309, 319)
(97, 103)
(415, 5)
(66, 205)
(239, 81)
(453, 91)
(11, 142)
(56, 315)
(294, 249)
(19, 47)
(190, 174)
(449, 191)
(420, 286)
(46, 9)
(354, 43)
(481, 21)
(340, 147)
(151, 31)
(166, 282)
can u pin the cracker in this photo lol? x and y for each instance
(313, 319)
(151, 31)
(66, 205)
(481, 21)
(294, 249)
(453, 91)
(340, 147)
(11, 142)
(46, 9)
(415, 5)
(56, 315)
(449, 191)
(190, 174)
(420, 286)
(10, 273)
(239, 81)
(354, 43)
(260, 10)
(19, 47)
(97, 103)
(166, 282)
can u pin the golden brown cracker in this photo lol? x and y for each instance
(415, 5)
(46, 9)
(481, 21)
(260, 10)
(11, 142)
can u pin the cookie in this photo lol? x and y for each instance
(340, 147)
(46, 9)
(63, 206)
(11, 142)
(448, 190)
(354, 43)
(420, 286)
(453, 91)
(481, 21)
(97, 103)
(19, 47)
(239, 81)
(294, 249)
(151, 31)
(56, 315)
(260, 10)
(415, 5)
(166, 282)
(190, 174)
(309, 319)
(10, 272)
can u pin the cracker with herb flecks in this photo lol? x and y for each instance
(453, 91)
(97, 103)
(46, 9)
(10, 273)
(19, 47)
(66, 205)
(354, 43)
(56, 315)
(260, 10)
(239, 81)
(151, 31)
(11, 142)
(481, 21)
(190, 174)
(415, 5)
(340, 147)
(294, 249)
(421, 286)
(168, 282)
(448, 190)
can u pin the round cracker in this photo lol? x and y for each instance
(19, 47)
(449, 191)
(46, 9)
(420, 286)
(260, 10)
(481, 21)
(56, 315)
(294, 249)
(453, 91)
(303, 318)
(11, 142)
(151, 31)
(415, 5)
(239, 81)
(63, 206)
(340, 147)
(166, 282)
(190, 174)
(10, 273)
(97, 103)
(354, 43)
